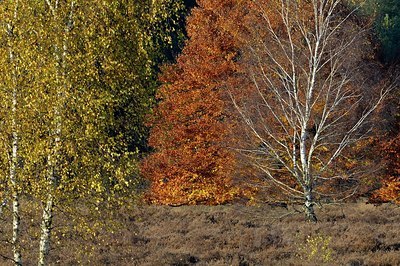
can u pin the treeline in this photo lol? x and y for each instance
(270, 100)
(297, 96)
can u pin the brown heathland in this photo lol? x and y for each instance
(348, 234)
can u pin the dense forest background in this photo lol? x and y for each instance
(109, 104)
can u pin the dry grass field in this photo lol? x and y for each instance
(349, 234)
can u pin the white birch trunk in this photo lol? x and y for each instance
(53, 157)
(47, 215)
(15, 186)
(45, 227)
(309, 205)
(307, 179)
(15, 241)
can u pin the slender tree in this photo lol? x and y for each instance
(14, 146)
(14, 92)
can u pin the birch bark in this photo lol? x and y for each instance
(15, 186)
(53, 159)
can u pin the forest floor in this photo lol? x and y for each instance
(348, 234)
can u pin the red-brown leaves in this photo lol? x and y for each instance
(192, 163)
(390, 190)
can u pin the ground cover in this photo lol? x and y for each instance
(347, 234)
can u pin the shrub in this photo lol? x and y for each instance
(316, 249)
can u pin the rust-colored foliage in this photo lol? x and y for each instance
(389, 146)
(192, 163)
(390, 190)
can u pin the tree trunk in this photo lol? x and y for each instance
(309, 206)
(13, 178)
(47, 216)
(16, 226)
(14, 154)
(14, 182)
(45, 227)
(307, 178)
(15, 197)
(53, 157)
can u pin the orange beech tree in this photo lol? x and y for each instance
(192, 163)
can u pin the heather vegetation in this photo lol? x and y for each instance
(348, 234)
(285, 113)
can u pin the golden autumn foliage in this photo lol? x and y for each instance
(73, 73)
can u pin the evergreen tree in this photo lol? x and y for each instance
(388, 29)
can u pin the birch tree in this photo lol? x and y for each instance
(14, 137)
(306, 104)
(15, 91)
(61, 23)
